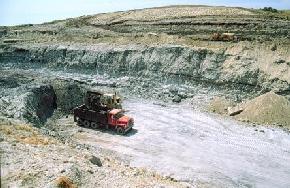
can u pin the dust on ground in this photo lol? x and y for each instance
(30, 158)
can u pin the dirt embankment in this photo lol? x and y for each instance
(266, 109)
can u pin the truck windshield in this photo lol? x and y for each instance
(118, 115)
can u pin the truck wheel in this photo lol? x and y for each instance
(94, 125)
(80, 122)
(86, 124)
(120, 131)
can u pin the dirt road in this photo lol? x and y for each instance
(201, 148)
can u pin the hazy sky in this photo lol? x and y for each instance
(13, 12)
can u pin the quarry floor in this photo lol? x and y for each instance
(192, 146)
(195, 147)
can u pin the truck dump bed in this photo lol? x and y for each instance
(99, 117)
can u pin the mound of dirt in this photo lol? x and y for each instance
(269, 109)
(220, 105)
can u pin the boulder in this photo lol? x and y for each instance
(279, 61)
(176, 99)
(96, 161)
(182, 95)
(173, 90)
(274, 47)
(232, 111)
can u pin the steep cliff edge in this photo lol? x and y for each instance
(254, 66)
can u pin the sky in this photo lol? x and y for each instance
(14, 12)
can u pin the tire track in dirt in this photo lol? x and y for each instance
(193, 146)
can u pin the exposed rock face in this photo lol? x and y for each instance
(35, 101)
(8, 82)
(69, 95)
(217, 67)
(34, 104)
(166, 42)
(40, 103)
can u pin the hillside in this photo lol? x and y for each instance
(168, 64)
(178, 24)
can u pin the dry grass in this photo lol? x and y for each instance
(166, 13)
(35, 140)
(64, 182)
(24, 127)
(6, 130)
(7, 123)
(24, 133)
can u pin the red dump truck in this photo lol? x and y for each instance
(96, 115)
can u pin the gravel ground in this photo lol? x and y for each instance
(31, 159)
(185, 145)
(198, 148)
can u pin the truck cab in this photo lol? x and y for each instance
(121, 122)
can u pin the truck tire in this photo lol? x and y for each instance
(94, 125)
(87, 124)
(80, 122)
(120, 131)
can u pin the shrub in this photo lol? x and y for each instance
(64, 182)
(270, 9)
